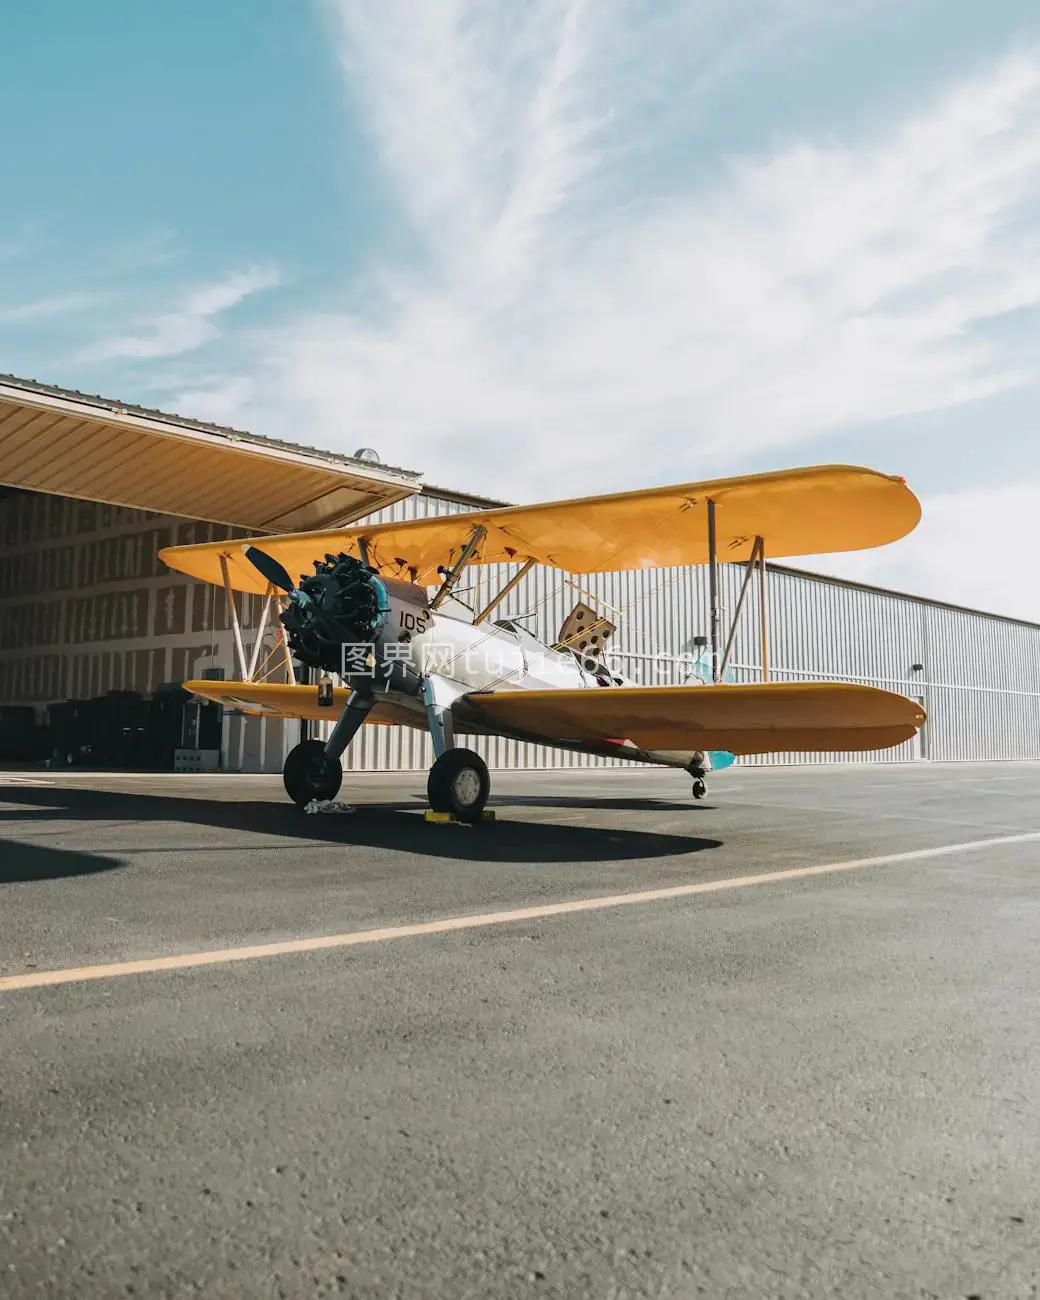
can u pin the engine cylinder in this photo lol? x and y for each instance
(341, 617)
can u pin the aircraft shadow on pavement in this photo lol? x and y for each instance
(396, 826)
(22, 863)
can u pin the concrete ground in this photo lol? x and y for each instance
(810, 1085)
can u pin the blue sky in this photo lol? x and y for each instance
(553, 248)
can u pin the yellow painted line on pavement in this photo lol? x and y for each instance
(481, 920)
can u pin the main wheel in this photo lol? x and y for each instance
(699, 789)
(459, 783)
(309, 773)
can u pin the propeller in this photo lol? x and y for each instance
(270, 568)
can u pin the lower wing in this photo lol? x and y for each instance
(760, 718)
(767, 717)
(278, 700)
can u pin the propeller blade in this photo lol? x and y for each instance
(270, 568)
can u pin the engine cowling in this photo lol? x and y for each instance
(341, 618)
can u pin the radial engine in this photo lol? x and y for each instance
(342, 618)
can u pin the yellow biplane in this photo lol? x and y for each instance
(373, 605)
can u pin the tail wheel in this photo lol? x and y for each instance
(309, 773)
(699, 789)
(459, 783)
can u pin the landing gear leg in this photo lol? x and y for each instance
(313, 769)
(459, 781)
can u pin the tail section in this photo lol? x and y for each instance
(718, 759)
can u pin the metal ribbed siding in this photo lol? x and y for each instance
(980, 682)
(824, 631)
(984, 688)
(980, 685)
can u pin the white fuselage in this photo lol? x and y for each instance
(496, 656)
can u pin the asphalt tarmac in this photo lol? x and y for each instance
(756, 1080)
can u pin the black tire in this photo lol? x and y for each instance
(309, 773)
(459, 783)
(699, 789)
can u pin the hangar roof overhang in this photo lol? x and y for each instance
(66, 443)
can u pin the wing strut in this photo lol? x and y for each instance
(762, 608)
(248, 672)
(756, 561)
(233, 615)
(713, 591)
(452, 575)
(265, 614)
(756, 550)
(511, 585)
(290, 671)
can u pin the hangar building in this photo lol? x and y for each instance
(96, 633)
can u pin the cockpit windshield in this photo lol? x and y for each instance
(525, 635)
(599, 670)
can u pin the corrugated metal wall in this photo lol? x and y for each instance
(983, 693)
(85, 606)
(980, 681)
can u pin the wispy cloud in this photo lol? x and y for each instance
(562, 330)
(220, 398)
(65, 304)
(190, 325)
(147, 251)
(483, 123)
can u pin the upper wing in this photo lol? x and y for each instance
(759, 718)
(814, 511)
